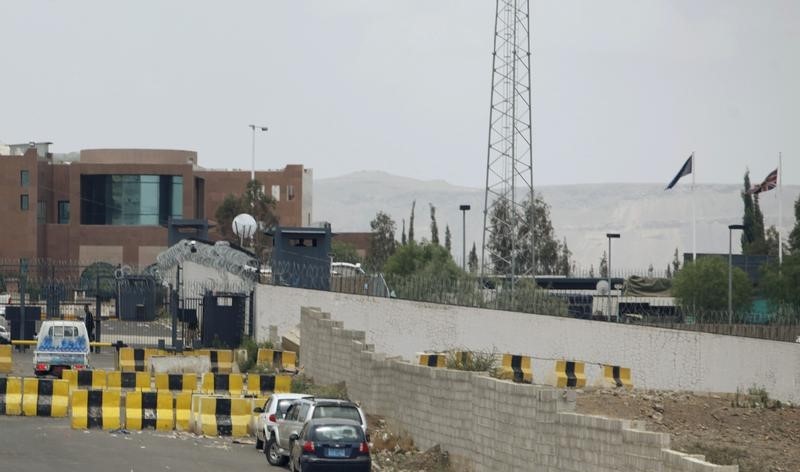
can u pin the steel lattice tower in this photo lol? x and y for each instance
(509, 163)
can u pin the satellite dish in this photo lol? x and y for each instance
(244, 226)
(602, 287)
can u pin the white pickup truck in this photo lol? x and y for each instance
(61, 345)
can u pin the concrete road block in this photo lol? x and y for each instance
(260, 384)
(149, 410)
(176, 382)
(617, 376)
(128, 381)
(10, 396)
(223, 384)
(516, 368)
(96, 409)
(183, 411)
(85, 378)
(570, 374)
(221, 416)
(6, 360)
(279, 360)
(432, 359)
(45, 397)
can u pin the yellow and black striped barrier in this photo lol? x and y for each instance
(462, 359)
(432, 360)
(223, 416)
(137, 359)
(176, 382)
(183, 411)
(516, 368)
(221, 360)
(96, 409)
(45, 397)
(10, 396)
(128, 381)
(570, 374)
(85, 378)
(149, 410)
(6, 360)
(226, 384)
(279, 360)
(617, 376)
(259, 384)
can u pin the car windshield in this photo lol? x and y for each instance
(337, 411)
(337, 433)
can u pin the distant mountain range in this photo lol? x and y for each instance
(652, 222)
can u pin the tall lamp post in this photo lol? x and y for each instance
(464, 209)
(730, 270)
(610, 236)
(253, 159)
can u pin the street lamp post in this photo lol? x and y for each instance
(464, 209)
(730, 270)
(253, 159)
(610, 236)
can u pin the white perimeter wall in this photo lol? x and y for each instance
(659, 358)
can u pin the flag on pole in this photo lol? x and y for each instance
(685, 170)
(768, 184)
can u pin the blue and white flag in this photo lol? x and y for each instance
(685, 170)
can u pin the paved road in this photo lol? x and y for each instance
(50, 444)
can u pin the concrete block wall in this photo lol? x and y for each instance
(660, 359)
(484, 423)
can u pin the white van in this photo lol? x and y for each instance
(61, 345)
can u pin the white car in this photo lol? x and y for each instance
(272, 411)
(5, 336)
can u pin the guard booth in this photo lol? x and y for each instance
(136, 298)
(222, 323)
(301, 257)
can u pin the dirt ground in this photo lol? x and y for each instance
(749, 430)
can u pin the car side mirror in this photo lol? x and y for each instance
(258, 409)
(293, 437)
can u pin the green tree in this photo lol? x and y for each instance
(529, 298)
(256, 203)
(676, 262)
(344, 252)
(448, 244)
(472, 263)
(425, 260)
(102, 271)
(403, 234)
(669, 271)
(382, 243)
(563, 266)
(753, 242)
(794, 235)
(772, 238)
(704, 285)
(591, 271)
(500, 240)
(548, 249)
(604, 265)
(411, 223)
(434, 226)
(780, 285)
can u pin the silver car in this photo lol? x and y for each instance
(273, 410)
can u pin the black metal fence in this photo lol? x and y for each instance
(129, 306)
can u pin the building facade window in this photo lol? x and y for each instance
(23, 202)
(41, 212)
(276, 193)
(24, 178)
(290, 192)
(63, 212)
(136, 200)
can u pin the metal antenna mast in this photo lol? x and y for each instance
(509, 162)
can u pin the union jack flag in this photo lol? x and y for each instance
(768, 184)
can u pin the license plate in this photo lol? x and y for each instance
(336, 452)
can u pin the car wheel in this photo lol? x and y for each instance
(272, 451)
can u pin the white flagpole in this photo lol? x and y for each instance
(780, 209)
(694, 214)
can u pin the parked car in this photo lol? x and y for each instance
(5, 336)
(61, 345)
(330, 444)
(273, 410)
(278, 443)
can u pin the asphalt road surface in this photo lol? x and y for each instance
(51, 444)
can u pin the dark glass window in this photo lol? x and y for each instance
(24, 178)
(131, 199)
(23, 202)
(63, 212)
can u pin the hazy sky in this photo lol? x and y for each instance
(624, 91)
